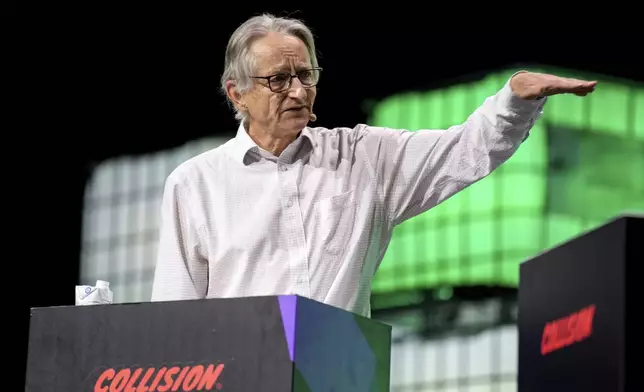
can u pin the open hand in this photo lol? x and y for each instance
(531, 85)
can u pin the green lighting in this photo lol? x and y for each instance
(582, 165)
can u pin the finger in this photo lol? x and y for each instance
(575, 87)
(584, 83)
(575, 80)
(583, 88)
(576, 83)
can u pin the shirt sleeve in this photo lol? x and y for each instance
(182, 269)
(418, 170)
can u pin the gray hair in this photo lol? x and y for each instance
(239, 64)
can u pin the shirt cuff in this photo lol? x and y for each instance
(530, 109)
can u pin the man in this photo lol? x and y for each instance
(284, 208)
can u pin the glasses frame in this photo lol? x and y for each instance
(290, 80)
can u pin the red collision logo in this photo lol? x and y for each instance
(568, 330)
(174, 378)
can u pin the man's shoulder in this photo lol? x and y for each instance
(194, 168)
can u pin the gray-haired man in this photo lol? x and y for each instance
(285, 208)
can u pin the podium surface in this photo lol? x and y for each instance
(273, 343)
(573, 311)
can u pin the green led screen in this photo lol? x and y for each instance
(582, 165)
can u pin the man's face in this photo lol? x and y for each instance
(287, 112)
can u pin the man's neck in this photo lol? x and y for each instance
(273, 142)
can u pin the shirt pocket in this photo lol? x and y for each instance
(336, 217)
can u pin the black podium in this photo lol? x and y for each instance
(573, 311)
(275, 343)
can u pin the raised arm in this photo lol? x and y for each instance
(182, 269)
(418, 170)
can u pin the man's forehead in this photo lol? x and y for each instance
(280, 52)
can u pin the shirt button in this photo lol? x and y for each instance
(283, 168)
(289, 203)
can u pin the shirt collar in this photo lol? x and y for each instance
(243, 144)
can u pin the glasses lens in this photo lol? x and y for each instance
(309, 77)
(279, 82)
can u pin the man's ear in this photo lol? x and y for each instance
(234, 95)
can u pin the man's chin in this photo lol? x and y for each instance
(295, 123)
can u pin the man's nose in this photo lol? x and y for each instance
(297, 90)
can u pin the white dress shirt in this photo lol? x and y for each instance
(316, 221)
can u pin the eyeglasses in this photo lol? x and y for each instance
(281, 82)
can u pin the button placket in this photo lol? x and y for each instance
(295, 231)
